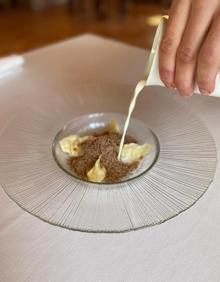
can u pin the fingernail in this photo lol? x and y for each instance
(205, 92)
(172, 86)
(187, 95)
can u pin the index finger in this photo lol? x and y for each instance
(171, 39)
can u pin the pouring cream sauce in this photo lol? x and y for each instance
(139, 87)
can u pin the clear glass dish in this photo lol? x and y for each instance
(88, 124)
(163, 188)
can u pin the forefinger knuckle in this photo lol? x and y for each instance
(167, 45)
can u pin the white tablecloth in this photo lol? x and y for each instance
(186, 248)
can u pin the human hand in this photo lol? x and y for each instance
(190, 47)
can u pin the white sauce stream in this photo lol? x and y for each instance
(138, 89)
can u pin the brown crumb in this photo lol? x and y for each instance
(116, 169)
(104, 144)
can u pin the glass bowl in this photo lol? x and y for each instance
(88, 124)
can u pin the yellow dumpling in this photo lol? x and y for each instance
(113, 126)
(97, 173)
(70, 144)
(133, 152)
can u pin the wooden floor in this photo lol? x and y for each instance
(22, 30)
